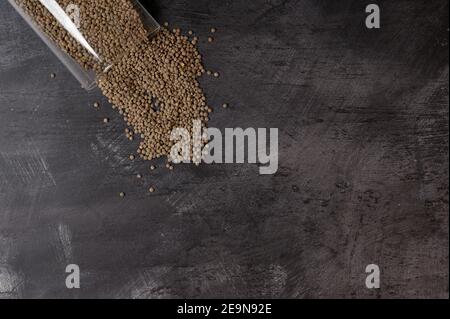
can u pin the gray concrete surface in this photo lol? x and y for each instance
(363, 177)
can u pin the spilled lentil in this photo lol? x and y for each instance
(152, 81)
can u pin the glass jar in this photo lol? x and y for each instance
(88, 36)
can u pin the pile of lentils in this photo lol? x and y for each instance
(151, 81)
(156, 89)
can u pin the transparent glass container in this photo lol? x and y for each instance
(88, 36)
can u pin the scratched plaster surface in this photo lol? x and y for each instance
(363, 177)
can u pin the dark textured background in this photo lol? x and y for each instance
(363, 178)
